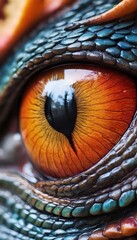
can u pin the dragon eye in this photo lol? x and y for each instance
(73, 115)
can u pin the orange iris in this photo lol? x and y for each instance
(105, 102)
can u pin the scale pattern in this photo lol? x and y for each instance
(59, 209)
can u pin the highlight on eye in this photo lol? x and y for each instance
(71, 116)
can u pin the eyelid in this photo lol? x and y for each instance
(84, 44)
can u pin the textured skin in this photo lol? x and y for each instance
(65, 209)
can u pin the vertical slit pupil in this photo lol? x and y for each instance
(61, 113)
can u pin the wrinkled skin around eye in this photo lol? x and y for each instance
(98, 201)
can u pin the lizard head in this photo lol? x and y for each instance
(75, 91)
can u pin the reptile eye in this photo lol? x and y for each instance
(72, 116)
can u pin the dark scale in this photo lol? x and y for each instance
(61, 113)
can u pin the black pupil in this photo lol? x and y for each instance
(61, 113)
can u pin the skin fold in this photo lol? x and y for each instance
(99, 203)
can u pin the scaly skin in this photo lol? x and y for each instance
(76, 207)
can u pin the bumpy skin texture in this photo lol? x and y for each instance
(73, 208)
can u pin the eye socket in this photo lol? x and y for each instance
(71, 116)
